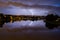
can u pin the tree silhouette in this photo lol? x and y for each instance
(50, 19)
(2, 21)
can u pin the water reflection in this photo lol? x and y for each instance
(39, 24)
(28, 23)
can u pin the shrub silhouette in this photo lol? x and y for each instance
(4, 19)
(1, 20)
(50, 21)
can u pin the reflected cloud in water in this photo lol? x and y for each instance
(21, 24)
(26, 24)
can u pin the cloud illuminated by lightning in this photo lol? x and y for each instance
(31, 11)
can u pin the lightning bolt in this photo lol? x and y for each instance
(30, 11)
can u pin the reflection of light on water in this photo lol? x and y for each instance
(30, 23)
(27, 24)
(21, 24)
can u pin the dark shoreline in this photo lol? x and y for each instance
(29, 34)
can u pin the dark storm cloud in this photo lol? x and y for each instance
(40, 2)
(37, 2)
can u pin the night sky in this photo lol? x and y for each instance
(21, 10)
(39, 2)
